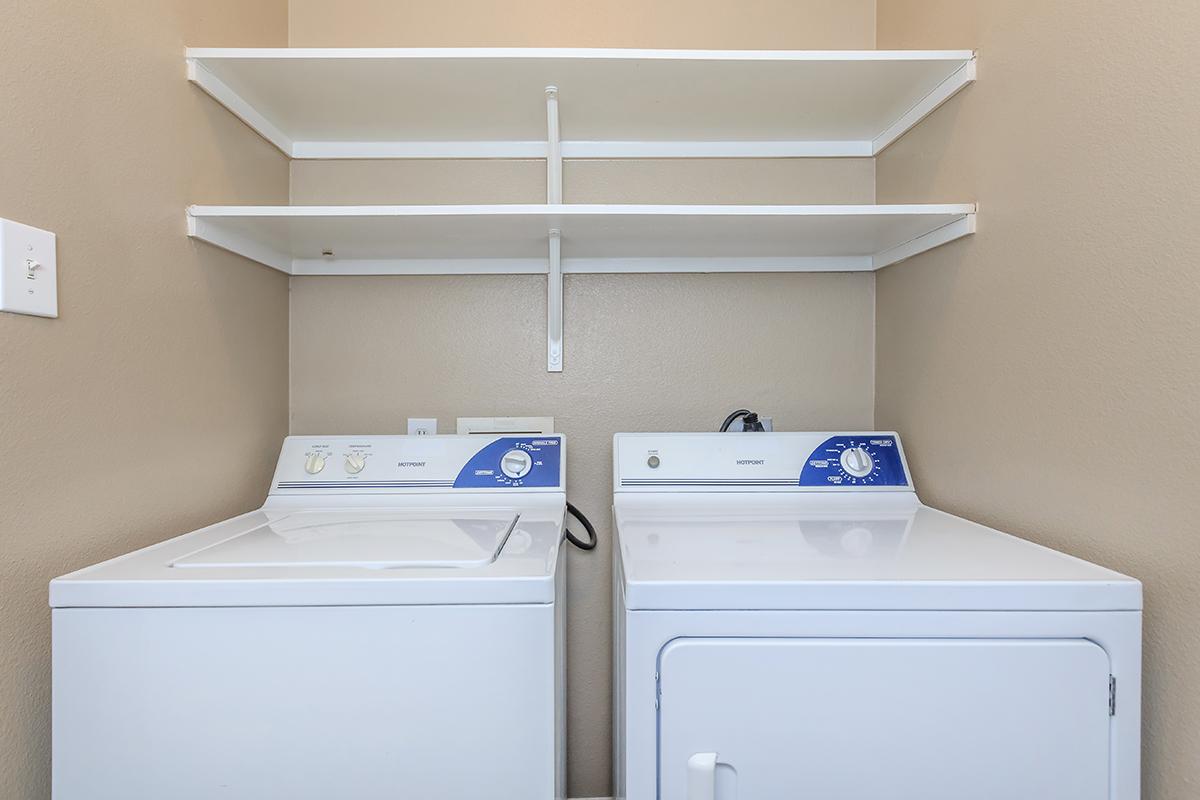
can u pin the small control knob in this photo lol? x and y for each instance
(355, 463)
(516, 463)
(314, 463)
(857, 461)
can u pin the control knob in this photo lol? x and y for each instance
(355, 463)
(314, 463)
(857, 461)
(516, 463)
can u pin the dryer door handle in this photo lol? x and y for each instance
(702, 777)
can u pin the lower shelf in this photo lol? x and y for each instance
(490, 239)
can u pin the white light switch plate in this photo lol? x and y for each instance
(28, 270)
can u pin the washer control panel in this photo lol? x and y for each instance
(328, 464)
(514, 461)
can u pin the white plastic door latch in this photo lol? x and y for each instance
(702, 777)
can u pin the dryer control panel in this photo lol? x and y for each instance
(868, 461)
(856, 460)
(353, 464)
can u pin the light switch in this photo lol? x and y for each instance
(28, 270)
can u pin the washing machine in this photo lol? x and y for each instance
(792, 622)
(387, 625)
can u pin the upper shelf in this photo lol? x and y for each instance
(426, 240)
(491, 102)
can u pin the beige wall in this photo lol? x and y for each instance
(643, 352)
(1060, 342)
(155, 403)
(752, 24)
(1046, 372)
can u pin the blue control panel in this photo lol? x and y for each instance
(855, 461)
(514, 461)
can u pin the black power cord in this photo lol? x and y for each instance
(741, 412)
(592, 540)
(750, 420)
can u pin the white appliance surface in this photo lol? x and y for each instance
(793, 622)
(383, 539)
(425, 520)
(878, 731)
(393, 611)
(737, 528)
(880, 550)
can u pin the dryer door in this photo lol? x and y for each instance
(869, 719)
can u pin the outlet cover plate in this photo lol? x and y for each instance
(422, 426)
(768, 424)
(28, 270)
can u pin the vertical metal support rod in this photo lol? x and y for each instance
(554, 149)
(554, 306)
(554, 285)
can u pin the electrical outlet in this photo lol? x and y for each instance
(422, 426)
(767, 423)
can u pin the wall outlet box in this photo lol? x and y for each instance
(767, 422)
(513, 425)
(422, 426)
(28, 270)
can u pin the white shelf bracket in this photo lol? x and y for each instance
(554, 305)
(553, 149)
(964, 76)
(216, 88)
(935, 238)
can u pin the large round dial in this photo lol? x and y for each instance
(516, 463)
(355, 463)
(857, 461)
(314, 463)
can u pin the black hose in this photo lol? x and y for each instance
(590, 544)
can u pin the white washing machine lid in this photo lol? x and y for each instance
(353, 550)
(847, 552)
(374, 539)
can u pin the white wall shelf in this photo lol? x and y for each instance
(492, 239)
(491, 102)
(577, 103)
